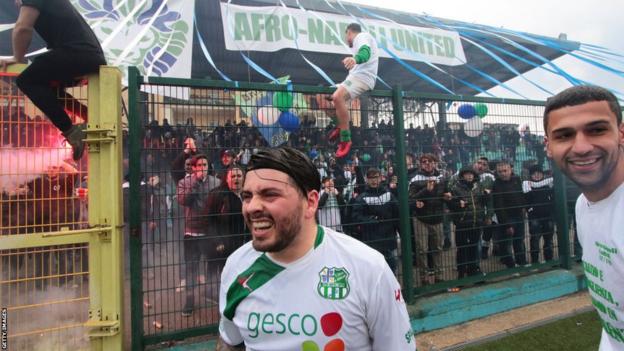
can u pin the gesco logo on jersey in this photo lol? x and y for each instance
(297, 324)
(333, 283)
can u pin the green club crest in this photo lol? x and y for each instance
(333, 283)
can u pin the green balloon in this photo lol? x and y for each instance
(481, 110)
(366, 157)
(282, 100)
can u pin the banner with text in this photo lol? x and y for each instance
(273, 28)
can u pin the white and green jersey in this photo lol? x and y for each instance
(366, 71)
(340, 296)
(601, 234)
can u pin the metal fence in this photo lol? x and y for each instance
(435, 231)
(55, 236)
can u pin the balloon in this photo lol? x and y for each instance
(481, 110)
(466, 111)
(282, 100)
(366, 157)
(268, 115)
(289, 121)
(473, 127)
(265, 99)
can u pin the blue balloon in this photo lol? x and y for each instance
(289, 121)
(466, 111)
(266, 100)
(269, 133)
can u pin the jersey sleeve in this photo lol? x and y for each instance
(228, 331)
(387, 317)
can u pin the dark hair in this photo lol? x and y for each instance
(290, 161)
(354, 27)
(372, 172)
(483, 158)
(504, 162)
(579, 95)
(535, 168)
(223, 174)
(325, 179)
(236, 166)
(468, 170)
(197, 158)
(428, 156)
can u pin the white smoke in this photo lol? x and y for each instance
(57, 308)
(20, 166)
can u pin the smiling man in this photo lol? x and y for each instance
(585, 138)
(298, 285)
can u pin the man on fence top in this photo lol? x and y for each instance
(298, 285)
(585, 138)
(74, 51)
(362, 68)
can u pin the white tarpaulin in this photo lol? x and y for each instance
(270, 29)
(156, 36)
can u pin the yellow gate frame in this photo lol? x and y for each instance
(104, 235)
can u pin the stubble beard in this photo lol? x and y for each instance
(285, 233)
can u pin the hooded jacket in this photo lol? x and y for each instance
(475, 201)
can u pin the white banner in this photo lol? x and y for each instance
(269, 29)
(154, 35)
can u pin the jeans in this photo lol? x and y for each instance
(194, 247)
(542, 227)
(507, 242)
(467, 241)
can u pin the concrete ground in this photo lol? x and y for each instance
(502, 324)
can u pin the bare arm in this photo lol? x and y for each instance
(222, 346)
(23, 31)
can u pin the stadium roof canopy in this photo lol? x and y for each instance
(492, 55)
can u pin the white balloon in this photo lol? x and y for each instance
(268, 115)
(473, 127)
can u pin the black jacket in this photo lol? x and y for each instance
(431, 213)
(475, 201)
(376, 211)
(225, 219)
(509, 201)
(540, 202)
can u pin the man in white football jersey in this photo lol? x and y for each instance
(362, 67)
(585, 138)
(298, 285)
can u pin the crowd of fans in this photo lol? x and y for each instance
(458, 197)
(465, 194)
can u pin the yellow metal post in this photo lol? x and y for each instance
(104, 137)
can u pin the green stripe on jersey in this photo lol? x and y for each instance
(260, 272)
(320, 234)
